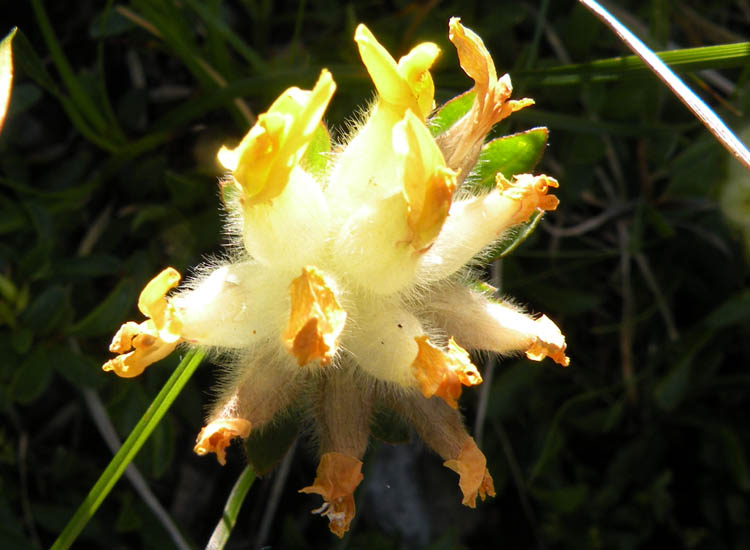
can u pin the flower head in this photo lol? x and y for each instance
(356, 274)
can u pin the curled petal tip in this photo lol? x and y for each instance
(474, 478)
(548, 342)
(218, 434)
(530, 192)
(337, 477)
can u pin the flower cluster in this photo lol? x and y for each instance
(352, 288)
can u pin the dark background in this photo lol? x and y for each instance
(642, 443)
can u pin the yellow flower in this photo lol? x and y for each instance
(350, 284)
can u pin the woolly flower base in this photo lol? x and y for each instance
(352, 289)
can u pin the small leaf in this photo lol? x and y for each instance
(21, 340)
(734, 311)
(672, 388)
(509, 155)
(47, 310)
(451, 112)
(109, 314)
(77, 368)
(32, 377)
(109, 23)
(268, 446)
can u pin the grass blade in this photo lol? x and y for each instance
(129, 449)
(706, 115)
(616, 68)
(81, 99)
(231, 510)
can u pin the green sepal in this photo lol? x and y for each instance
(510, 155)
(451, 112)
(318, 152)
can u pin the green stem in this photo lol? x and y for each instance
(231, 510)
(129, 449)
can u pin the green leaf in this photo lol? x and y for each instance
(672, 388)
(268, 446)
(32, 377)
(129, 449)
(47, 310)
(734, 311)
(108, 23)
(109, 314)
(21, 340)
(451, 112)
(509, 155)
(77, 368)
(81, 100)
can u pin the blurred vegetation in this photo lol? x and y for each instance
(108, 174)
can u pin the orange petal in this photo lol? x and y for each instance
(491, 103)
(473, 56)
(442, 373)
(316, 319)
(548, 342)
(218, 434)
(530, 192)
(337, 477)
(474, 478)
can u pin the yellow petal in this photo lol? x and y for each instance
(147, 348)
(530, 192)
(337, 477)
(548, 342)
(316, 319)
(153, 303)
(140, 345)
(405, 85)
(218, 434)
(262, 162)
(6, 74)
(442, 373)
(428, 183)
(474, 478)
